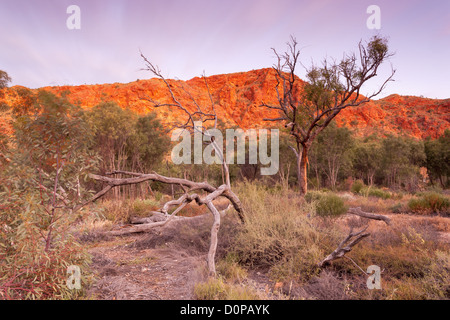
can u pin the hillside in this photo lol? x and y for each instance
(238, 95)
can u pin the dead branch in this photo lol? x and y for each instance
(345, 246)
(191, 186)
(353, 238)
(161, 217)
(357, 211)
(155, 217)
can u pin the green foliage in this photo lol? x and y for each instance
(367, 158)
(357, 187)
(401, 160)
(397, 208)
(438, 158)
(311, 196)
(39, 188)
(331, 154)
(149, 143)
(376, 192)
(326, 204)
(111, 127)
(377, 49)
(126, 142)
(430, 202)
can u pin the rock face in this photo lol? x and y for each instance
(237, 98)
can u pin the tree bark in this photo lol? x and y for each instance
(441, 181)
(214, 235)
(303, 171)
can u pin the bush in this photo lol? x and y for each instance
(326, 204)
(313, 196)
(376, 192)
(28, 272)
(357, 186)
(397, 208)
(430, 202)
(330, 205)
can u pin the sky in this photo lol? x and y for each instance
(188, 37)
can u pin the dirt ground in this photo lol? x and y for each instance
(129, 273)
(163, 264)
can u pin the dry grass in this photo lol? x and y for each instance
(377, 205)
(414, 260)
(218, 289)
(285, 239)
(284, 235)
(427, 203)
(281, 233)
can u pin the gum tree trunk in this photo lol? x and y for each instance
(302, 166)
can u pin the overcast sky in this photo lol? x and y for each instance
(186, 37)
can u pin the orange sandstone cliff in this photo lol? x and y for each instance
(238, 96)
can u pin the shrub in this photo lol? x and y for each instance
(430, 202)
(397, 196)
(378, 193)
(49, 160)
(28, 272)
(313, 196)
(397, 208)
(357, 186)
(330, 205)
(326, 204)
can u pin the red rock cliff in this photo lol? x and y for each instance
(238, 96)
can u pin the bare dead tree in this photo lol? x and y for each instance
(202, 193)
(307, 109)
